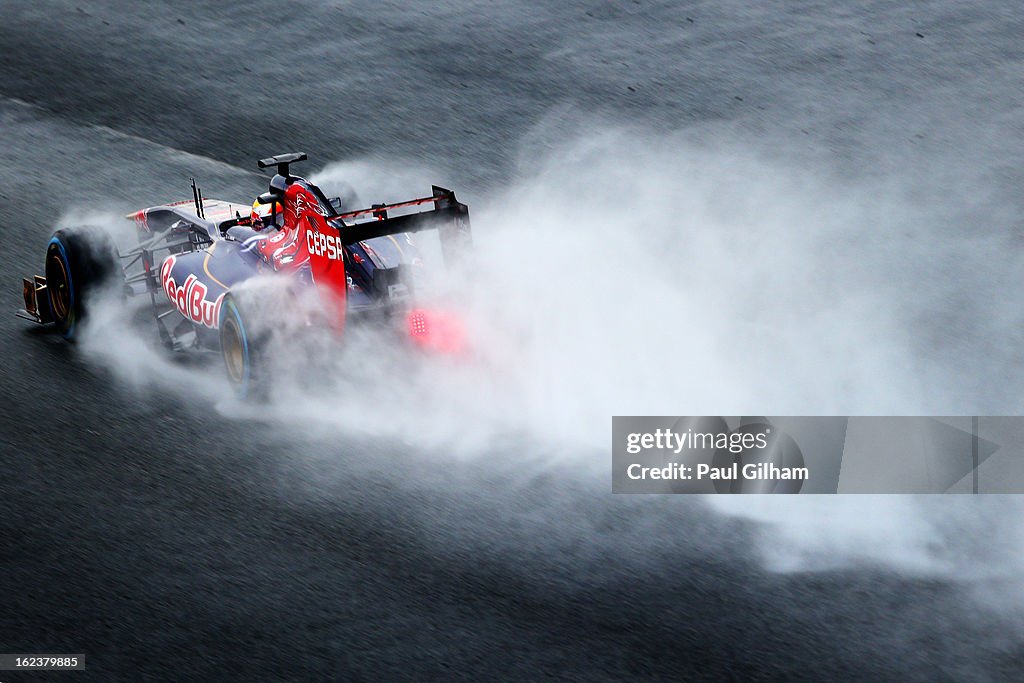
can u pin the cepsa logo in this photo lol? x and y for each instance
(190, 298)
(321, 244)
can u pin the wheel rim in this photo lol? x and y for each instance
(57, 286)
(234, 351)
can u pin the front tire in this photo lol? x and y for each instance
(79, 263)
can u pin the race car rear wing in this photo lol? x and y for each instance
(449, 217)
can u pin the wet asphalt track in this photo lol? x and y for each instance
(166, 543)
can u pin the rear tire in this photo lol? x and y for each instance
(79, 263)
(239, 347)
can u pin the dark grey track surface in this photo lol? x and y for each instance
(170, 543)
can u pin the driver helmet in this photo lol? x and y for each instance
(261, 214)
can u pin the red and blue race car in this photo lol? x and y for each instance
(192, 257)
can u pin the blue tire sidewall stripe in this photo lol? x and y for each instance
(245, 342)
(71, 286)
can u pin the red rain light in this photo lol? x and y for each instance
(436, 331)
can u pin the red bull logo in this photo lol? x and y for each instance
(190, 297)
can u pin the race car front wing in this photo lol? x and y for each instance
(37, 301)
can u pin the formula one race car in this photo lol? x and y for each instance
(193, 255)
